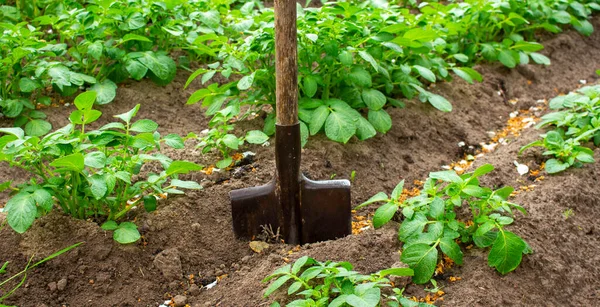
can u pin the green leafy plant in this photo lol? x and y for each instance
(92, 173)
(27, 268)
(356, 57)
(220, 136)
(335, 284)
(431, 226)
(576, 122)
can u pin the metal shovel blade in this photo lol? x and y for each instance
(302, 210)
(325, 211)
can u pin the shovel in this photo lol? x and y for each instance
(301, 210)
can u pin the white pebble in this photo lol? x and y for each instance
(522, 169)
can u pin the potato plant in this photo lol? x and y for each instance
(576, 122)
(94, 174)
(335, 284)
(431, 225)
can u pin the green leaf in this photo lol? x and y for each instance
(126, 233)
(109, 225)
(191, 185)
(381, 196)
(426, 73)
(339, 127)
(37, 127)
(136, 69)
(317, 119)
(554, 166)
(294, 287)
(231, 141)
(506, 252)
(482, 170)
(384, 214)
(26, 85)
(135, 37)
(397, 192)
(561, 17)
(222, 164)
(439, 102)
(150, 203)
(73, 162)
(437, 208)
(210, 18)
(396, 272)
(126, 117)
(85, 101)
(447, 176)
(380, 120)
(584, 27)
(300, 263)
(96, 159)
(182, 167)
(369, 58)
(451, 249)
(359, 77)
(364, 129)
(422, 258)
(161, 66)
(18, 132)
(411, 227)
(95, 50)
(310, 86)
(277, 284)
(256, 137)
(505, 57)
(370, 298)
(144, 126)
(21, 212)
(461, 57)
(11, 107)
(303, 134)
(174, 141)
(98, 186)
(106, 91)
(374, 99)
(539, 58)
(346, 58)
(246, 82)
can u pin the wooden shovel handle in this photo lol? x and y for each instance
(286, 57)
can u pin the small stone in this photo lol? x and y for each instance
(196, 227)
(246, 259)
(52, 286)
(173, 285)
(102, 277)
(169, 263)
(61, 284)
(194, 290)
(179, 300)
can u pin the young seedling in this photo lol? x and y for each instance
(576, 121)
(336, 284)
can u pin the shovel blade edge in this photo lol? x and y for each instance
(325, 210)
(252, 208)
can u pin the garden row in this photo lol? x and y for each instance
(433, 227)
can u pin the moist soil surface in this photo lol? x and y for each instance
(192, 234)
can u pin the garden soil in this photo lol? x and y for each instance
(189, 239)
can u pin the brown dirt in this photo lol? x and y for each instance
(192, 234)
